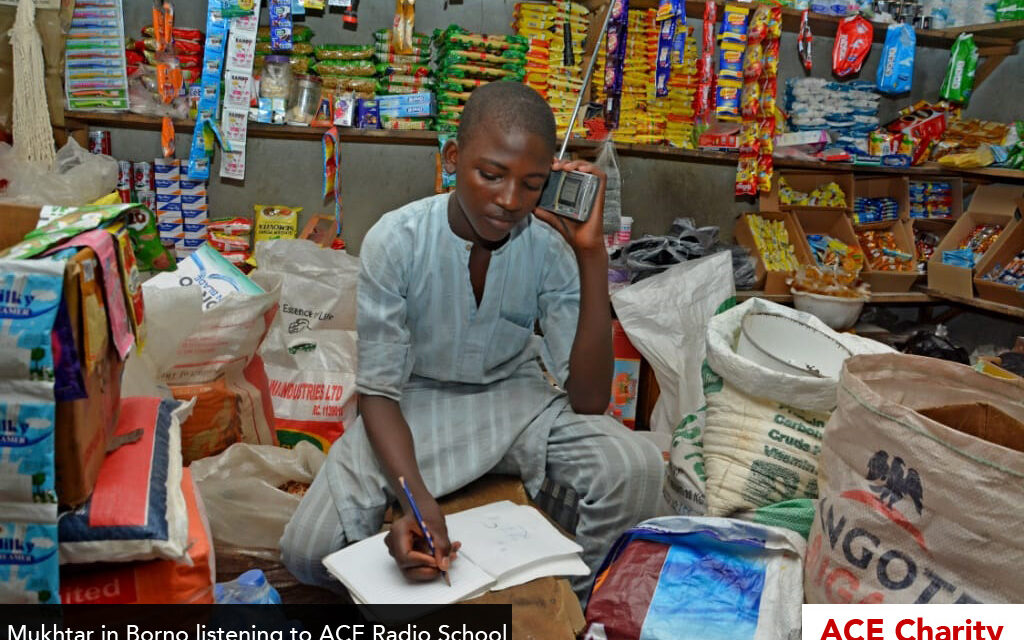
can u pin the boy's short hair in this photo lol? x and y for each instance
(509, 106)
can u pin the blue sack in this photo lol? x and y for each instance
(896, 69)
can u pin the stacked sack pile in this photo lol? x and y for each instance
(113, 464)
(465, 61)
(557, 40)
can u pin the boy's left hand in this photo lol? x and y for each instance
(581, 236)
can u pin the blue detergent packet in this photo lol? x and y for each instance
(896, 69)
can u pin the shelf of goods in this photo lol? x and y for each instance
(81, 121)
(917, 297)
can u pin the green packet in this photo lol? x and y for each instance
(300, 33)
(67, 222)
(456, 35)
(344, 51)
(345, 68)
(963, 63)
(418, 39)
(298, 49)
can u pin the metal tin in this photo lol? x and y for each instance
(124, 174)
(99, 142)
(143, 176)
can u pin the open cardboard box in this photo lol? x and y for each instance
(807, 181)
(891, 281)
(991, 204)
(82, 425)
(1012, 244)
(885, 187)
(828, 222)
(956, 185)
(773, 282)
(938, 226)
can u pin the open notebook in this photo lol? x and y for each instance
(503, 545)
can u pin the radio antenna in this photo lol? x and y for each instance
(586, 78)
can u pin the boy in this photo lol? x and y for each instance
(450, 388)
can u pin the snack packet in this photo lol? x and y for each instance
(896, 69)
(963, 62)
(276, 221)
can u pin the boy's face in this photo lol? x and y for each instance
(499, 176)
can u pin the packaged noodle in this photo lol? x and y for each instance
(344, 52)
(364, 68)
(276, 221)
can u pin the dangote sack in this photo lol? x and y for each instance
(921, 484)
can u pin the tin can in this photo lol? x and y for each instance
(125, 193)
(124, 174)
(147, 198)
(143, 172)
(99, 142)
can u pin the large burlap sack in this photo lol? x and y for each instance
(763, 430)
(666, 317)
(922, 482)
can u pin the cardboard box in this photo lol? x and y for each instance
(1012, 244)
(827, 222)
(939, 226)
(991, 204)
(897, 187)
(807, 181)
(408, 111)
(82, 426)
(891, 281)
(924, 123)
(405, 100)
(773, 282)
(956, 195)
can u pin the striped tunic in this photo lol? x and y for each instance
(470, 386)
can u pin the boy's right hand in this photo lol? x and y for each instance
(408, 547)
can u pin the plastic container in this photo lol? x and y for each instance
(276, 80)
(249, 588)
(790, 346)
(304, 99)
(838, 313)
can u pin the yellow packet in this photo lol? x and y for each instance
(275, 221)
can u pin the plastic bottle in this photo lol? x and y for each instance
(249, 588)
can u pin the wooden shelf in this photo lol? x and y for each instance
(921, 296)
(911, 297)
(1012, 30)
(81, 119)
(978, 303)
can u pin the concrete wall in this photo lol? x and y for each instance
(377, 178)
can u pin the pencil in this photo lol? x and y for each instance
(423, 525)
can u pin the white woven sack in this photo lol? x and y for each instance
(763, 430)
